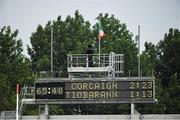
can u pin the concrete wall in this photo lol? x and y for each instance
(160, 117)
(103, 117)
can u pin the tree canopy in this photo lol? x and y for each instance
(73, 35)
(69, 36)
(163, 59)
(168, 69)
(14, 67)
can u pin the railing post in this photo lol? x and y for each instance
(87, 60)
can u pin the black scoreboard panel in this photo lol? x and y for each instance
(50, 90)
(134, 90)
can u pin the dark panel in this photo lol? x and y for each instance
(92, 85)
(107, 85)
(50, 90)
(95, 90)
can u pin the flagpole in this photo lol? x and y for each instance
(99, 49)
(101, 34)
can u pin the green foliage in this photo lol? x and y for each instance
(172, 104)
(56, 110)
(169, 56)
(14, 67)
(69, 36)
(164, 60)
(73, 35)
(148, 59)
(119, 40)
(4, 90)
(167, 69)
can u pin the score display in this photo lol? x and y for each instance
(88, 91)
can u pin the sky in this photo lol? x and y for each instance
(155, 17)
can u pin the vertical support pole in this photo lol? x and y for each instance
(46, 110)
(139, 60)
(99, 46)
(132, 104)
(132, 108)
(17, 102)
(87, 60)
(51, 51)
(99, 50)
(139, 67)
(46, 106)
(129, 73)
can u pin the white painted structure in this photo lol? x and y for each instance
(9, 115)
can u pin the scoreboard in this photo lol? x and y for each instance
(96, 91)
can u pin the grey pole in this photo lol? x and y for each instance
(139, 69)
(46, 106)
(99, 47)
(139, 60)
(51, 51)
(99, 51)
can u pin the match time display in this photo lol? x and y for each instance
(95, 90)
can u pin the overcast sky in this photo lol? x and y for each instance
(154, 16)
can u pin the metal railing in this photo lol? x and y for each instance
(88, 60)
(112, 64)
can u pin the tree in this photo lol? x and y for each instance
(119, 40)
(73, 35)
(14, 67)
(168, 69)
(169, 55)
(70, 36)
(149, 59)
(164, 58)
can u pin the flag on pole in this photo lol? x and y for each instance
(101, 32)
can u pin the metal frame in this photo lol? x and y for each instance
(110, 101)
(112, 64)
(96, 79)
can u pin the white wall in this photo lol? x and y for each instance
(104, 117)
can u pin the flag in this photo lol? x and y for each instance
(101, 32)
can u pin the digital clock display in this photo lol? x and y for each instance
(95, 90)
(50, 90)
